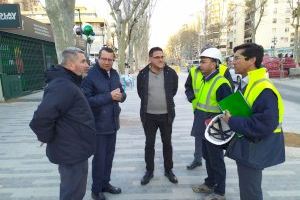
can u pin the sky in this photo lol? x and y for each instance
(167, 18)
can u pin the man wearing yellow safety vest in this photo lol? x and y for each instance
(209, 88)
(191, 92)
(261, 143)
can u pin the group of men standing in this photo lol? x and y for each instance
(78, 118)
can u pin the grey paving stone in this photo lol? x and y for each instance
(26, 173)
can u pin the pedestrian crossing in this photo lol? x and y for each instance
(26, 173)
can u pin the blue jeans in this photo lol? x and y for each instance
(198, 149)
(215, 167)
(102, 161)
(73, 179)
(249, 183)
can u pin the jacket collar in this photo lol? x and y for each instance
(103, 71)
(213, 74)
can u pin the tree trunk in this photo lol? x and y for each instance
(130, 57)
(61, 16)
(122, 49)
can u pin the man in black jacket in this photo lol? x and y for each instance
(157, 85)
(65, 122)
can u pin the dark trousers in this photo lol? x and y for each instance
(198, 149)
(250, 183)
(102, 161)
(151, 124)
(215, 167)
(73, 179)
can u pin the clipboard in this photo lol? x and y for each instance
(236, 105)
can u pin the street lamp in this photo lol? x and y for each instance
(274, 41)
(102, 34)
(80, 23)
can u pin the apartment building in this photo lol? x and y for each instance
(229, 23)
(216, 24)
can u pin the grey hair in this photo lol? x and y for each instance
(69, 54)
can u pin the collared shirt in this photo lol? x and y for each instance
(211, 75)
(244, 82)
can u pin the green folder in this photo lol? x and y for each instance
(236, 105)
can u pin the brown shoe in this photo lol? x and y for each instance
(202, 188)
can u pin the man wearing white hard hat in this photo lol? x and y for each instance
(191, 93)
(209, 87)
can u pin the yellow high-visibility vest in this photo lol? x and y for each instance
(222, 69)
(258, 81)
(207, 99)
(197, 79)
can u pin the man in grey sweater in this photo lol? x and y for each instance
(157, 85)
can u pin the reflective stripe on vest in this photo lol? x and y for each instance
(197, 79)
(256, 86)
(207, 100)
(222, 69)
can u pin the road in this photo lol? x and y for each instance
(26, 174)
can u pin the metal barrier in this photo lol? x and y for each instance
(23, 61)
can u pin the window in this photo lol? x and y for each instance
(287, 20)
(275, 11)
(275, 1)
(286, 30)
(274, 21)
(284, 39)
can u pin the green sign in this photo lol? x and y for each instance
(10, 16)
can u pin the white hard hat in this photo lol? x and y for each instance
(218, 132)
(213, 53)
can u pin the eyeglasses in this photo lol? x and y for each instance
(238, 57)
(158, 57)
(107, 59)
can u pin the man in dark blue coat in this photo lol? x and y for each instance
(261, 141)
(157, 85)
(104, 91)
(65, 122)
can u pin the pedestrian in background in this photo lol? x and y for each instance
(262, 144)
(65, 122)
(210, 88)
(104, 91)
(157, 85)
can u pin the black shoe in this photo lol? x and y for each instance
(112, 189)
(99, 196)
(193, 165)
(147, 177)
(171, 176)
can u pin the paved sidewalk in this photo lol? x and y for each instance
(26, 174)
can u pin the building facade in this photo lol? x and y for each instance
(231, 22)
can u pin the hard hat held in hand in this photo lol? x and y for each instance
(217, 131)
(213, 53)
